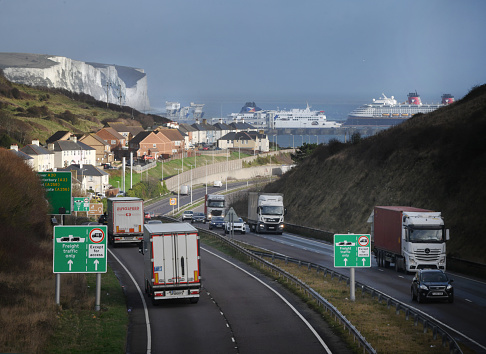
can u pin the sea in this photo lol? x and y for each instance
(335, 111)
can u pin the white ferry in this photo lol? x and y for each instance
(280, 119)
(387, 111)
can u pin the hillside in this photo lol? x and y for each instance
(28, 113)
(435, 161)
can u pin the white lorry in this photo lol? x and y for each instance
(214, 205)
(185, 190)
(171, 261)
(125, 218)
(410, 238)
(266, 212)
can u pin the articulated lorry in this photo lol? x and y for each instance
(266, 212)
(125, 218)
(213, 205)
(410, 238)
(171, 261)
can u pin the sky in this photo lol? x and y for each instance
(219, 51)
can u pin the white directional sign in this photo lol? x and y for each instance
(352, 251)
(80, 249)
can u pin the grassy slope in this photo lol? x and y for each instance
(434, 161)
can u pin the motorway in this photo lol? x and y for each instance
(464, 317)
(239, 311)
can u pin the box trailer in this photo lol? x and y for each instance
(125, 218)
(171, 261)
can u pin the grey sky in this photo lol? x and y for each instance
(249, 50)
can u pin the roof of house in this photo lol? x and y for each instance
(113, 132)
(140, 137)
(59, 135)
(22, 155)
(172, 134)
(96, 137)
(68, 145)
(86, 170)
(33, 149)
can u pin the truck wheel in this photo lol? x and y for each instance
(386, 263)
(380, 259)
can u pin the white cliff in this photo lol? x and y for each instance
(105, 82)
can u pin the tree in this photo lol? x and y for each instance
(303, 152)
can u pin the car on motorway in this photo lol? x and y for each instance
(217, 222)
(198, 217)
(154, 221)
(187, 215)
(217, 184)
(238, 225)
(432, 284)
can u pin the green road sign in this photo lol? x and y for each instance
(81, 204)
(352, 251)
(80, 249)
(58, 186)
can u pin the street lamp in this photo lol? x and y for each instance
(227, 167)
(292, 141)
(206, 177)
(191, 182)
(178, 189)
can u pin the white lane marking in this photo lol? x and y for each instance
(281, 297)
(468, 300)
(147, 319)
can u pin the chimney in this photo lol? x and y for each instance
(50, 146)
(14, 147)
(73, 138)
(205, 121)
(35, 142)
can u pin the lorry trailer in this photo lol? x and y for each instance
(171, 261)
(125, 219)
(408, 237)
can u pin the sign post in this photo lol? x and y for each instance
(351, 251)
(173, 202)
(80, 249)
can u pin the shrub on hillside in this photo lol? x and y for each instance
(23, 213)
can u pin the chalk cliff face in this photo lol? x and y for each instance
(105, 82)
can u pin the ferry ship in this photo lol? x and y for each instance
(281, 119)
(387, 111)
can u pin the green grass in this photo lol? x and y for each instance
(86, 330)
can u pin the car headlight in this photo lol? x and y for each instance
(449, 286)
(423, 287)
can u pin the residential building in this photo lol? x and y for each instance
(177, 142)
(68, 152)
(43, 158)
(90, 177)
(147, 144)
(102, 148)
(29, 160)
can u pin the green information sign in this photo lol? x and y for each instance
(352, 251)
(80, 204)
(58, 186)
(80, 249)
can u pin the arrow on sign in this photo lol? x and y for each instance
(364, 261)
(345, 261)
(70, 262)
(96, 262)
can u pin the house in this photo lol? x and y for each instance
(112, 137)
(67, 152)
(127, 131)
(43, 158)
(253, 141)
(221, 129)
(148, 145)
(177, 142)
(191, 136)
(90, 177)
(29, 160)
(102, 148)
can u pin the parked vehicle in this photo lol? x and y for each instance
(198, 217)
(214, 205)
(187, 215)
(185, 190)
(432, 284)
(171, 262)
(266, 212)
(410, 238)
(125, 218)
(217, 184)
(236, 225)
(217, 222)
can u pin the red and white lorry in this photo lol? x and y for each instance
(410, 238)
(125, 218)
(171, 261)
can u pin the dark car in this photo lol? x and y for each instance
(198, 217)
(216, 222)
(431, 284)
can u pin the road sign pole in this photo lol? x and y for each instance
(98, 292)
(352, 295)
(58, 289)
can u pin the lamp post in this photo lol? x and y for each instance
(206, 177)
(178, 189)
(191, 182)
(292, 141)
(227, 167)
